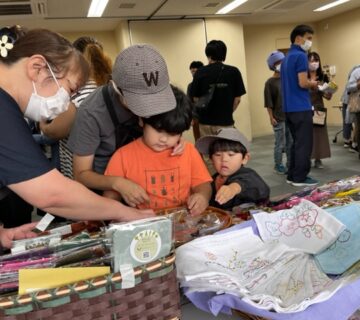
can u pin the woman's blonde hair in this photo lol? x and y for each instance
(100, 63)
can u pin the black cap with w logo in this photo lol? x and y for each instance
(141, 73)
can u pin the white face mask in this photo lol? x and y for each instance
(47, 108)
(313, 66)
(307, 45)
(278, 68)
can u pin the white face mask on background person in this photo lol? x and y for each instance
(306, 45)
(278, 68)
(313, 66)
(41, 108)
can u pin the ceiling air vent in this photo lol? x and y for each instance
(128, 5)
(281, 6)
(211, 5)
(288, 5)
(8, 8)
(39, 7)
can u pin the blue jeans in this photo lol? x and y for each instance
(283, 140)
(347, 127)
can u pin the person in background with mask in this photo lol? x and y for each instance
(273, 103)
(39, 70)
(295, 86)
(321, 146)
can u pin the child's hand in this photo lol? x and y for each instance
(226, 193)
(179, 148)
(197, 203)
(131, 193)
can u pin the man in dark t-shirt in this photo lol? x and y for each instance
(229, 87)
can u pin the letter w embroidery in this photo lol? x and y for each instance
(153, 78)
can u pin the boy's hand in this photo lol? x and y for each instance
(226, 193)
(131, 192)
(197, 203)
(179, 148)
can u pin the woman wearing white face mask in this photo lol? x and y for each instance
(43, 67)
(321, 146)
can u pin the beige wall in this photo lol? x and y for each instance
(339, 45)
(182, 41)
(260, 40)
(106, 38)
(179, 41)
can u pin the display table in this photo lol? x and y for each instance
(339, 307)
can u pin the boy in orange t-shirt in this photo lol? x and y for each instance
(169, 181)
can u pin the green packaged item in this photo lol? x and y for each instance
(140, 242)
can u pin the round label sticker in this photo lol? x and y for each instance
(145, 246)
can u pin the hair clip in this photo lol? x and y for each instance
(7, 40)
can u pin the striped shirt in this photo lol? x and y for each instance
(65, 153)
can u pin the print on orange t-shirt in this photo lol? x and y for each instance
(163, 186)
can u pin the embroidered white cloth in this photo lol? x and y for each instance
(305, 227)
(268, 275)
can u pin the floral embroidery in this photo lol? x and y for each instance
(288, 226)
(5, 45)
(307, 218)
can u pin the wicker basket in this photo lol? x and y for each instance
(155, 297)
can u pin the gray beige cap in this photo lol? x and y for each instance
(141, 73)
(232, 134)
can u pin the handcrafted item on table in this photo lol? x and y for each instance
(314, 196)
(42, 241)
(335, 202)
(341, 185)
(140, 242)
(187, 227)
(268, 275)
(38, 279)
(305, 227)
(345, 251)
(75, 228)
(340, 306)
(80, 252)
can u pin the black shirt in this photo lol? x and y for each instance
(273, 98)
(253, 189)
(229, 84)
(21, 158)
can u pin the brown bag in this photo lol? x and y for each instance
(354, 102)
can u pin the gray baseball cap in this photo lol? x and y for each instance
(141, 73)
(232, 134)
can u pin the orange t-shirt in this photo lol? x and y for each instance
(166, 179)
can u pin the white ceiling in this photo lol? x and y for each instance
(70, 15)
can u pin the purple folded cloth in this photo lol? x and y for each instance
(339, 307)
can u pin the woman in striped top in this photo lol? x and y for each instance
(100, 74)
